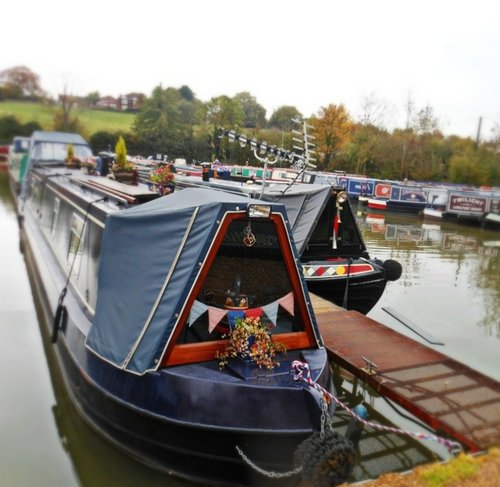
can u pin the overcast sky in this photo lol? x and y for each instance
(307, 53)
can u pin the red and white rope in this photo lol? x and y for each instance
(303, 373)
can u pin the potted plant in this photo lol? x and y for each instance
(71, 160)
(123, 170)
(90, 164)
(163, 179)
(251, 341)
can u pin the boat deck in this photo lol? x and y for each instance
(452, 398)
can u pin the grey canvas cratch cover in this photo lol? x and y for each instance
(304, 205)
(141, 287)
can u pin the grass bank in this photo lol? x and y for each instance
(92, 120)
(462, 471)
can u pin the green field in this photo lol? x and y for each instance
(91, 120)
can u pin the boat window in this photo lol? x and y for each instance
(21, 146)
(76, 240)
(395, 193)
(244, 280)
(57, 151)
(349, 240)
(55, 214)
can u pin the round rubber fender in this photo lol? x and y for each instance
(393, 269)
(326, 460)
(59, 322)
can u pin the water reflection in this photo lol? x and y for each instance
(446, 266)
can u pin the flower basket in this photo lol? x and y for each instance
(126, 176)
(251, 342)
(73, 163)
(163, 180)
(89, 166)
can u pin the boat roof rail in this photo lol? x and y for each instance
(112, 194)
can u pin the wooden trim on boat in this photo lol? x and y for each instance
(176, 354)
(205, 351)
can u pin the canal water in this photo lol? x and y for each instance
(450, 287)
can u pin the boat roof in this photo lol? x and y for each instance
(304, 202)
(151, 258)
(61, 137)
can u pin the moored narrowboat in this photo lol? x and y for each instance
(333, 254)
(49, 148)
(398, 197)
(135, 289)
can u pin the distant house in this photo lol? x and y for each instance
(109, 103)
(132, 101)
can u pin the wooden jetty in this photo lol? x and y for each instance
(453, 399)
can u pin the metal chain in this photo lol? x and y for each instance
(326, 419)
(267, 473)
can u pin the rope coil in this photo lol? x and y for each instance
(303, 373)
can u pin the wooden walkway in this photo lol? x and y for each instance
(453, 399)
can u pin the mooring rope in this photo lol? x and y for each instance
(303, 373)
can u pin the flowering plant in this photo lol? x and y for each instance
(90, 162)
(162, 175)
(250, 339)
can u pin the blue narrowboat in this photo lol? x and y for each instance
(134, 291)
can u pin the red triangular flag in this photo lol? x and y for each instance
(214, 317)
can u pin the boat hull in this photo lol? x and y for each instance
(396, 206)
(189, 419)
(362, 294)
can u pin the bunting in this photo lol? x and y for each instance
(215, 315)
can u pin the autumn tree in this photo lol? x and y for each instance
(21, 80)
(333, 129)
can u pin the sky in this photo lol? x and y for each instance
(306, 53)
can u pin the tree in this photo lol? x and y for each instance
(92, 98)
(282, 117)
(425, 122)
(333, 129)
(375, 111)
(158, 124)
(221, 111)
(469, 168)
(254, 114)
(65, 117)
(187, 93)
(10, 127)
(23, 79)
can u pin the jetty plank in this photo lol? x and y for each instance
(452, 398)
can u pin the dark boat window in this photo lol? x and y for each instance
(349, 240)
(244, 278)
(76, 241)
